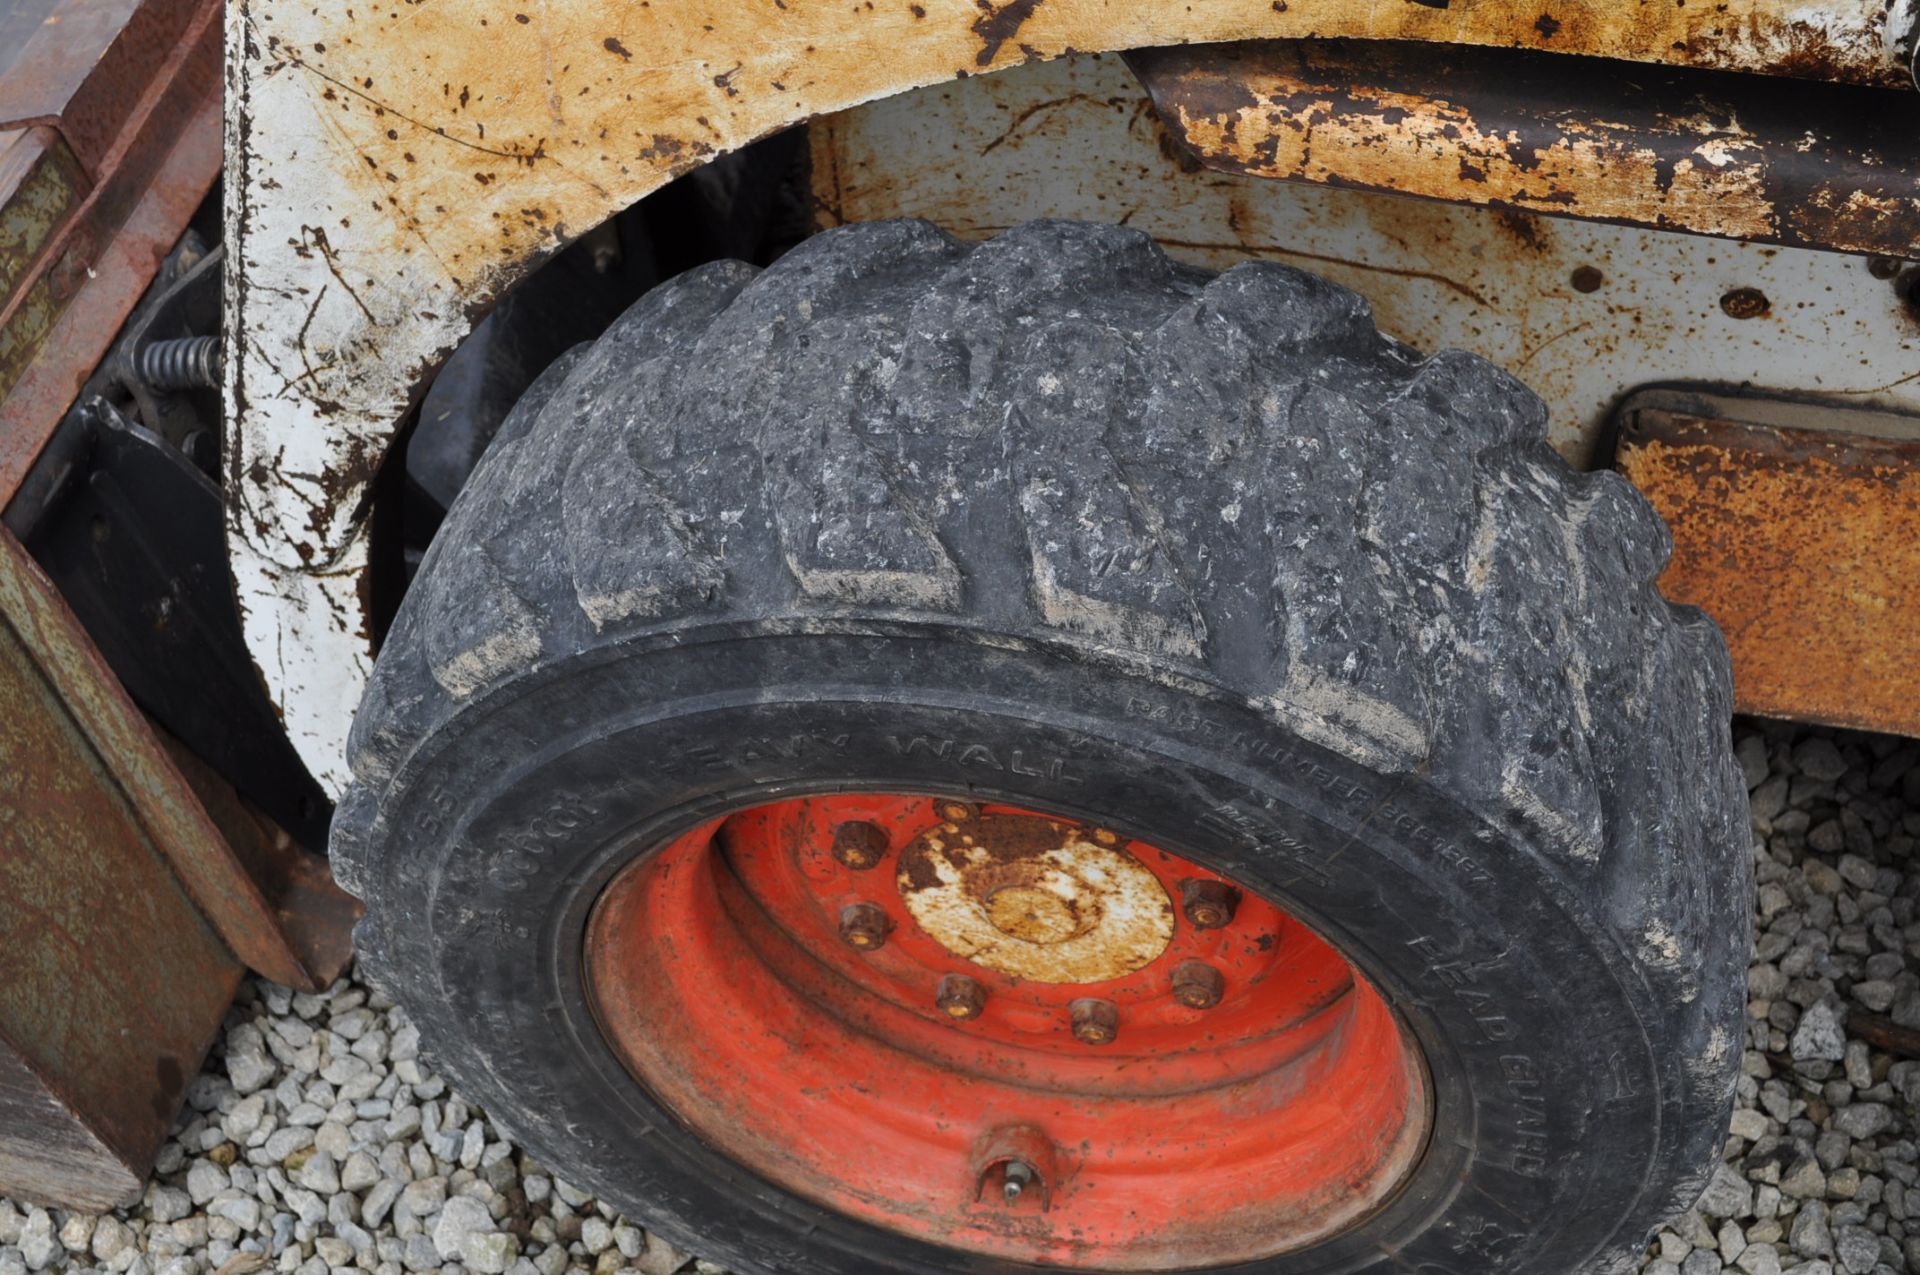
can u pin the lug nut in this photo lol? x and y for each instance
(865, 926)
(1209, 904)
(1095, 1022)
(1198, 985)
(961, 997)
(956, 811)
(860, 845)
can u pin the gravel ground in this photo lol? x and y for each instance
(316, 1140)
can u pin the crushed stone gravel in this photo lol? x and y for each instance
(1819, 1170)
(317, 1140)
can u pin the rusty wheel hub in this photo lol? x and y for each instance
(1036, 898)
(1006, 1032)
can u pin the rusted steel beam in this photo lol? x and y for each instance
(134, 890)
(246, 909)
(86, 66)
(91, 225)
(112, 983)
(1812, 165)
(1804, 544)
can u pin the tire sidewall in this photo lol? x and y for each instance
(504, 827)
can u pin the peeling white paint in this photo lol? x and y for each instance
(315, 661)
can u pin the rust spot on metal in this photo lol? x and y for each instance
(1588, 279)
(997, 25)
(860, 845)
(1822, 165)
(1035, 898)
(1525, 229)
(1804, 545)
(1745, 303)
(1780, 42)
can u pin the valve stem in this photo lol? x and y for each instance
(1017, 1176)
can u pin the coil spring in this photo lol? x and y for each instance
(187, 363)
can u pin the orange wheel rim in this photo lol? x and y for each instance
(1009, 1033)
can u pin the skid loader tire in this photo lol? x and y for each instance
(1054, 521)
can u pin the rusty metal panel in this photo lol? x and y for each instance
(41, 183)
(395, 166)
(1580, 311)
(112, 984)
(19, 19)
(91, 269)
(302, 922)
(86, 65)
(213, 870)
(1820, 166)
(1804, 544)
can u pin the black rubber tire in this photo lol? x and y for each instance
(1055, 521)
